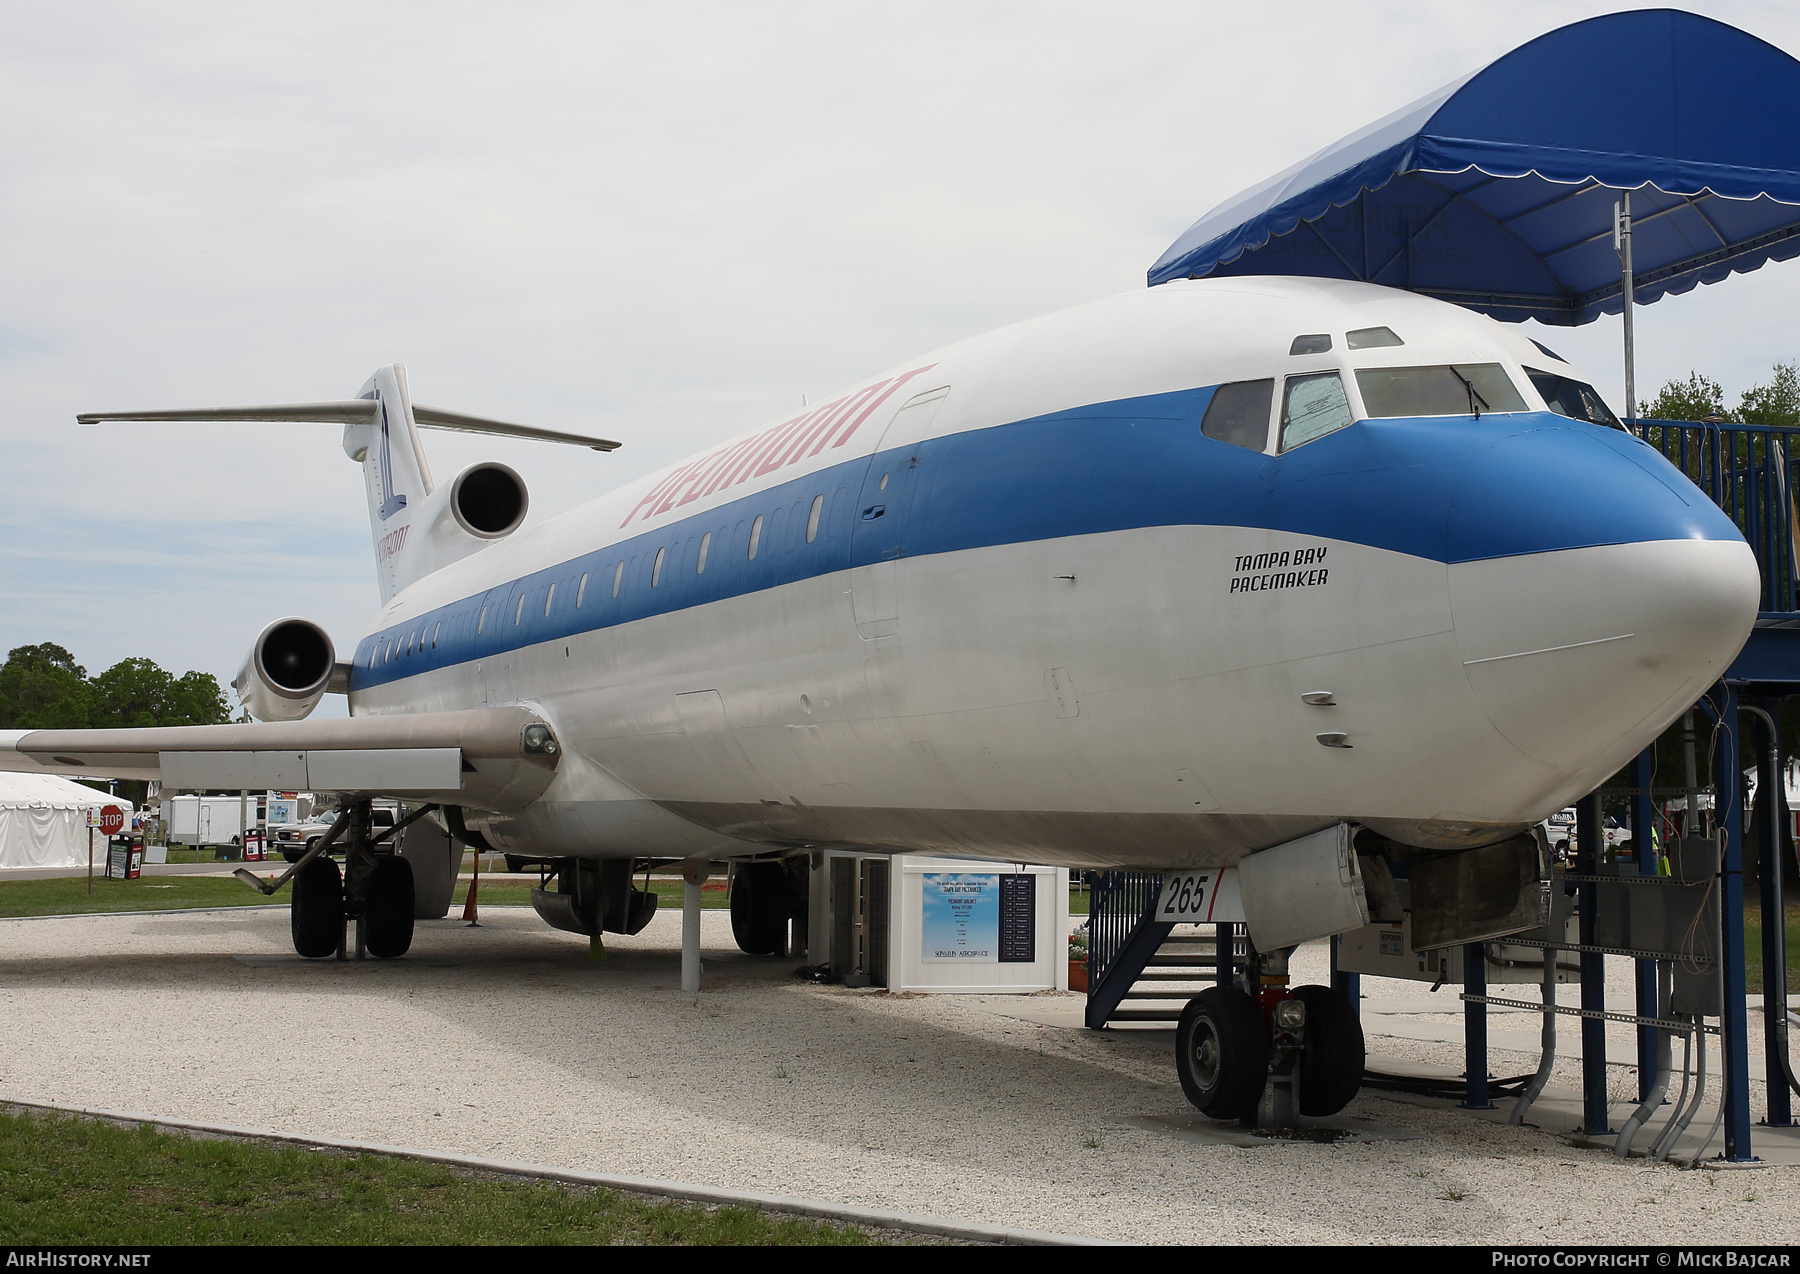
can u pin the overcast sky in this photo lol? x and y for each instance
(658, 223)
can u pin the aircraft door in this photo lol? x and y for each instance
(878, 520)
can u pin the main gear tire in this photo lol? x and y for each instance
(316, 912)
(1222, 1052)
(761, 903)
(388, 908)
(1331, 1058)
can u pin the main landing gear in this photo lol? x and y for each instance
(1268, 1059)
(375, 891)
(765, 897)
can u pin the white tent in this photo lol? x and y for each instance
(43, 821)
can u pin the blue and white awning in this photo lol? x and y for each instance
(1497, 191)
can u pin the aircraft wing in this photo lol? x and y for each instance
(491, 758)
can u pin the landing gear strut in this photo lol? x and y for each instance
(375, 890)
(1269, 1059)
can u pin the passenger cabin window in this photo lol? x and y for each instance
(1312, 407)
(618, 577)
(1239, 414)
(1317, 344)
(548, 598)
(656, 570)
(1573, 399)
(812, 518)
(755, 537)
(1372, 338)
(519, 611)
(705, 544)
(1464, 389)
(434, 633)
(481, 623)
(581, 590)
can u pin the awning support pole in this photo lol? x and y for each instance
(1622, 243)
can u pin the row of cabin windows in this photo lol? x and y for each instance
(401, 647)
(814, 514)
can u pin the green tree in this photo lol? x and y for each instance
(1695, 398)
(1776, 403)
(43, 688)
(139, 692)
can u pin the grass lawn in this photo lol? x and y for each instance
(66, 1180)
(1753, 970)
(68, 895)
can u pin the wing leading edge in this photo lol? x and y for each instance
(490, 758)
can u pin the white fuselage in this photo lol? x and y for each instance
(1041, 617)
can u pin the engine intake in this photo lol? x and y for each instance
(289, 669)
(489, 500)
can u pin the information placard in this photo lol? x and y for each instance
(1018, 919)
(961, 917)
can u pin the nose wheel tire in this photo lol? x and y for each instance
(388, 909)
(1222, 1052)
(1331, 1060)
(316, 914)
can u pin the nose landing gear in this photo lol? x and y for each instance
(1268, 1060)
(1222, 1052)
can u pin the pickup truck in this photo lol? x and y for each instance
(294, 839)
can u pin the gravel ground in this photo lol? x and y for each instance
(508, 1041)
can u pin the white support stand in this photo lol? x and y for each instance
(692, 877)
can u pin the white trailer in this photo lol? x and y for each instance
(208, 820)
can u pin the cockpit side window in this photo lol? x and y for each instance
(1372, 338)
(1573, 399)
(1239, 414)
(1465, 389)
(1312, 407)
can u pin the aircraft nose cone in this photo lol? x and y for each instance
(1595, 598)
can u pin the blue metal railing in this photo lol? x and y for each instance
(1118, 903)
(1749, 471)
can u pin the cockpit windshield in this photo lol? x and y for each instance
(1465, 389)
(1571, 398)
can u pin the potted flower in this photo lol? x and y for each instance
(1078, 962)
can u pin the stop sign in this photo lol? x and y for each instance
(112, 821)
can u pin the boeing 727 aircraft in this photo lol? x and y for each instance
(1316, 580)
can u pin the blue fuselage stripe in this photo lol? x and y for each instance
(1449, 489)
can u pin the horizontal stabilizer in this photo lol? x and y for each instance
(493, 758)
(353, 411)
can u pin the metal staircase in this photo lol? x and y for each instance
(1140, 969)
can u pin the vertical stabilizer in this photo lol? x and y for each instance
(396, 477)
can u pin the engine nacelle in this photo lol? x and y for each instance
(488, 500)
(288, 671)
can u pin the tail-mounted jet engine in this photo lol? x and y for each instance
(289, 669)
(488, 500)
